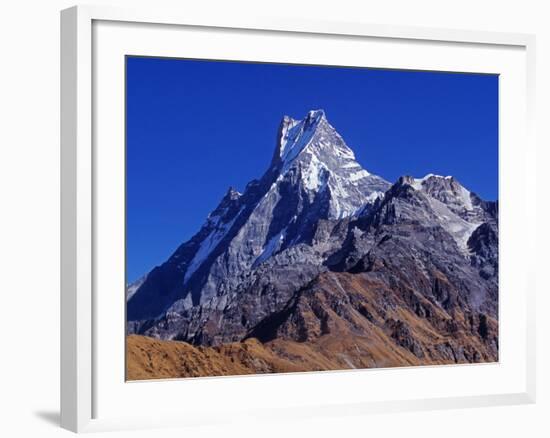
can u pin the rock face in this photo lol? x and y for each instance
(319, 247)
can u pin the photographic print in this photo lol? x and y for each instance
(296, 218)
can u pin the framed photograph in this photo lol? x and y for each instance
(253, 208)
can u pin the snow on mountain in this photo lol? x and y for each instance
(454, 206)
(209, 244)
(447, 190)
(313, 132)
(132, 288)
(458, 228)
(271, 247)
(313, 148)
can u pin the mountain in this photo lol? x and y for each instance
(321, 261)
(313, 176)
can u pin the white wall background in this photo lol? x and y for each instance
(29, 216)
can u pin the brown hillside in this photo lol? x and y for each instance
(341, 322)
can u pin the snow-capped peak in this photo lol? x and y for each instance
(445, 188)
(418, 182)
(314, 151)
(312, 135)
(296, 135)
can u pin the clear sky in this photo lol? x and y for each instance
(194, 128)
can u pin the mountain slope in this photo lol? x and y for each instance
(341, 322)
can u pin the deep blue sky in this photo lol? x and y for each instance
(196, 127)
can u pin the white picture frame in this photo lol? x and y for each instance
(82, 372)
